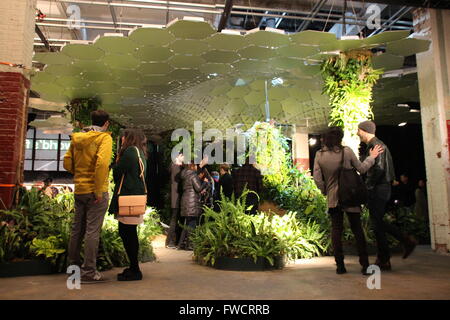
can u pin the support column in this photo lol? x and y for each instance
(433, 69)
(16, 46)
(300, 149)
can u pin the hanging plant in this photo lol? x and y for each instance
(80, 114)
(348, 81)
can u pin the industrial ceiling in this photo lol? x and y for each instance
(160, 77)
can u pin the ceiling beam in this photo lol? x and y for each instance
(392, 20)
(43, 39)
(113, 14)
(225, 15)
(314, 12)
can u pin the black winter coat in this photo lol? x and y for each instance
(190, 200)
(382, 172)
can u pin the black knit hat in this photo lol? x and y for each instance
(368, 126)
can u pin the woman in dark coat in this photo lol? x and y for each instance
(133, 172)
(191, 206)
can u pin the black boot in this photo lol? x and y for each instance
(364, 271)
(340, 268)
(409, 247)
(384, 266)
(131, 275)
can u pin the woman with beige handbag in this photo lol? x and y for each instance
(130, 196)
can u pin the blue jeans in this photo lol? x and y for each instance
(378, 199)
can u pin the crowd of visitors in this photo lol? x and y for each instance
(193, 189)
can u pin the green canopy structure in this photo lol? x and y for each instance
(159, 79)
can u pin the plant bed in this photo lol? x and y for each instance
(248, 264)
(33, 267)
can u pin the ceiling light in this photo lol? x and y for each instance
(402, 124)
(414, 110)
(403, 105)
(312, 141)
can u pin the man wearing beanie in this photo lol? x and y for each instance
(378, 180)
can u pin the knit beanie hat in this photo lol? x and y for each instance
(367, 126)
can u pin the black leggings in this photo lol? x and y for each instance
(337, 228)
(128, 233)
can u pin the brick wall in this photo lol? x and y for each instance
(14, 91)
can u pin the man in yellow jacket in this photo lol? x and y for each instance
(88, 159)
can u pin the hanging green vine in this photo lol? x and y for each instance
(348, 81)
(80, 114)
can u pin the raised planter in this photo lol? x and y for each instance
(248, 264)
(26, 268)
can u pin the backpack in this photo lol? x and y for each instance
(352, 191)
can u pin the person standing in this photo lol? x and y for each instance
(248, 177)
(405, 191)
(225, 181)
(191, 207)
(129, 174)
(327, 166)
(88, 159)
(378, 181)
(173, 235)
(421, 206)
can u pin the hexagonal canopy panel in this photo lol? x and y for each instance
(163, 78)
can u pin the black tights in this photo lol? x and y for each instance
(337, 228)
(128, 233)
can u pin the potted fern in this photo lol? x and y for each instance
(231, 239)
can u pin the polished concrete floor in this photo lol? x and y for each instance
(425, 275)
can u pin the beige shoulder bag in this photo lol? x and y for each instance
(133, 205)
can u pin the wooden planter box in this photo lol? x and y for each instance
(248, 264)
(26, 268)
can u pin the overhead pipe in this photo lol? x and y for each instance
(400, 13)
(166, 7)
(87, 27)
(314, 12)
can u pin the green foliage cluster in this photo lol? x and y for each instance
(40, 227)
(403, 217)
(233, 233)
(348, 81)
(290, 188)
(80, 115)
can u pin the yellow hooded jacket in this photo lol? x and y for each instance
(88, 159)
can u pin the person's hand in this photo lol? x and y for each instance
(98, 198)
(204, 162)
(375, 151)
(395, 183)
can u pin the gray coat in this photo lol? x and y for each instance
(326, 172)
(190, 200)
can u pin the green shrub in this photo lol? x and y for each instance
(290, 188)
(232, 233)
(41, 226)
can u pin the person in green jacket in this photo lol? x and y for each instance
(134, 146)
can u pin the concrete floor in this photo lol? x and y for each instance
(425, 275)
